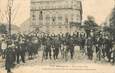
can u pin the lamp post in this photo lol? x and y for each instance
(10, 3)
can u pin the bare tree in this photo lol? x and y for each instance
(9, 15)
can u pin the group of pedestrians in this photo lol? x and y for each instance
(22, 46)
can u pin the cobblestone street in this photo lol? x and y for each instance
(80, 64)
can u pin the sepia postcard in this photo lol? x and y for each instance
(57, 36)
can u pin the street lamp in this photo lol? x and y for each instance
(10, 4)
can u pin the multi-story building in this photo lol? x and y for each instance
(55, 16)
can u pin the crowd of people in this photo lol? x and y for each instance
(22, 46)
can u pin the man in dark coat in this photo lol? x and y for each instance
(89, 48)
(71, 47)
(56, 48)
(113, 51)
(48, 49)
(9, 59)
(22, 51)
(108, 47)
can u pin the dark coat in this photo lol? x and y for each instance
(9, 58)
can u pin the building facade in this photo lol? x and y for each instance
(55, 16)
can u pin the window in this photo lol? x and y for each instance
(47, 17)
(60, 18)
(72, 17)
(33, 16)
(41, 15)
(66, 20)
(78, 17)
(54, 19)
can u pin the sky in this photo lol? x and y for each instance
(99, 9)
